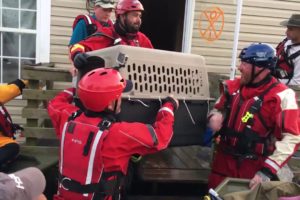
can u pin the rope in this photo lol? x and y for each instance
(190, 114)
(139, 101)
(160, 101)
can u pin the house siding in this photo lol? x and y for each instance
(63, 13)
(259, 23)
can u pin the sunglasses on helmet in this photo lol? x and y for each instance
(106, 1)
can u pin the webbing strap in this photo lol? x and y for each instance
(289, 60)
(75, 115)
(101, 34)
(258, 100)
(8, 119)
(107, 187)
(294, 55)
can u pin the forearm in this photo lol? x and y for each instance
(75, 49)
(284, 150)
(215, 120)
(164, 125)
(11, 90)
(288, 134)
(56, 107)
(146, 138)
(61, 101)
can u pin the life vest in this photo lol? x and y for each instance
(92, 24)
(81, 164)
(285, 65)
(116, 39)
(7, 127)
(246, 143)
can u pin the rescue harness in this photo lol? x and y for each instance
(116, 39)
(91, 23)
(7, 127)
(246, 144)
(110, 183)
(285, 64)
(105, 187)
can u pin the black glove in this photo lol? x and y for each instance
(80, 60)
(18, 83)
(18, 127)
(269, 174)
(85, 63)
(173, 101)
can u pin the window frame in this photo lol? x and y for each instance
(42, 32)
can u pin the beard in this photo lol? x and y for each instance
(244, 79)
(132, 27)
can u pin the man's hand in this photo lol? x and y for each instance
(26, 82)
(73, 71)
(215, 120)
(80, 60)
(257, 179)
(173, 100)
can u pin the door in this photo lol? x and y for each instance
(163, 22)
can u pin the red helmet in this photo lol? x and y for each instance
(101, 86)
(124, 6)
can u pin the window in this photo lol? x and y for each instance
(20, 29)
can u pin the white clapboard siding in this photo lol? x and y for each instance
(63, 13)
(259, 23)
(15, 107)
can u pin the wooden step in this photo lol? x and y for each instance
(187, 164)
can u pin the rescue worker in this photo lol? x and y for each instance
(86, 25)
(9, 148)
(288, 52)
(125, 32)
(258, 121)
(95, 149)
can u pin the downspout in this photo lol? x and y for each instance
(236, 38)
(43, 31)
(188, 26)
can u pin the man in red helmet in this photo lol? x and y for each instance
(257, 119)
(95, 149)
(125, 32)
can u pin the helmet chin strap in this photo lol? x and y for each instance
(115, 106)
(253, 76)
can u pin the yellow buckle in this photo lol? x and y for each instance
(246, 117)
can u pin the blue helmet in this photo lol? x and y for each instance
(259, 54)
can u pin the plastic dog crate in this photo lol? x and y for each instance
(156, 74)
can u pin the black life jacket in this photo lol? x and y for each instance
(285, 64)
